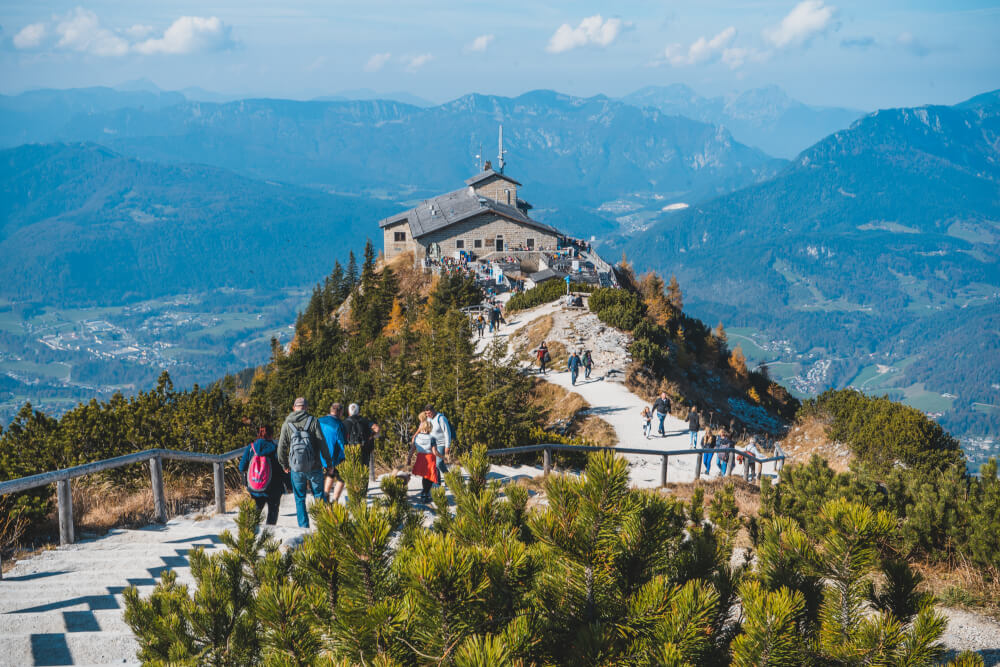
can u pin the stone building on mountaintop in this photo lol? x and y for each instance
(484, 217)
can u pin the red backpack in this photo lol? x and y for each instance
(259, 473)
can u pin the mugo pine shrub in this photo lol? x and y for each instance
(604, 574)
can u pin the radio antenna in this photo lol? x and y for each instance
(501, 161)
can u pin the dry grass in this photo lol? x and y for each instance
(101, 506)
(527, 340)
(596, 430)
(412, 279)
(962, 586)
(556, 403)
(809, 437)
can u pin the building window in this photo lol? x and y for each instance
(460, 244)
(399, 237)
(478, 243)
(531, 244)
(489, 243)
(499, 243)
(508, 196)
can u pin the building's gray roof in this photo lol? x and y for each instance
(489, 173)
(546, 274)
(447, 209)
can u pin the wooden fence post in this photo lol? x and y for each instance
(663, 470)
(220, 488)
(65, 498)
(697, 465)
(732, 464)
(159, 499)
(746, 468)
(546, 461)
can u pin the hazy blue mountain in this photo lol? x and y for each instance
(764, 117)
(571, 153)
(883, 238)
(83, 224)
(36, 115)
(369, 94)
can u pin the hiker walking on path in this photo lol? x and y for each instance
(755, 469)
(694, 425)
(360, 432)
(573, 364)
(261, 470)
(588, 364)
(725, 459)
(542, 354)
(303, 453)
(425, 446)
(441, 431)
(333, 433)
(708, 442)
(480, 324)
(647, 421)
(661, 406)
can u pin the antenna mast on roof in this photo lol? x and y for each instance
(501, 161)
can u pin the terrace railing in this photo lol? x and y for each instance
(748, 459)
(155, 458)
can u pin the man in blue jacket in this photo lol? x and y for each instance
(333, 433)
(573, 363)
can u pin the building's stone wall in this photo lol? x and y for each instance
(484, 228)
(393, 247)
(496, 189)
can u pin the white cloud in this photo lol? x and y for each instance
(189, 34)
(139, 31)
(593, 30)
(377, 61)
(80, 30)
(30, 36)
(413, 63)
(806, 20)
(704, 50)
(479, 44)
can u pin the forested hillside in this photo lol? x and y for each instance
(85, 225)
(877, 245)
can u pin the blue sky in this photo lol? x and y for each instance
(858, 54)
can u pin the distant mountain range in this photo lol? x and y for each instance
(883, 239)
(83, 224)
(763, 117)
(572, 154)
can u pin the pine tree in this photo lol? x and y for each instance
(674, 295)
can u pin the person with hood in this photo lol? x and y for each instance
(694, 425)
(263, 491)
(573, 364)
(333, 433)
(303, 454)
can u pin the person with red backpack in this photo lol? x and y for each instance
(262, 473)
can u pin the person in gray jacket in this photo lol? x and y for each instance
(303, 453)
(694, 425)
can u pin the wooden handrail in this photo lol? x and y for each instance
(547, 450)
(155, 457)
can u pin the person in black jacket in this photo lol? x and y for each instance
(271, 496)
(694, 425)
(661, 407)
